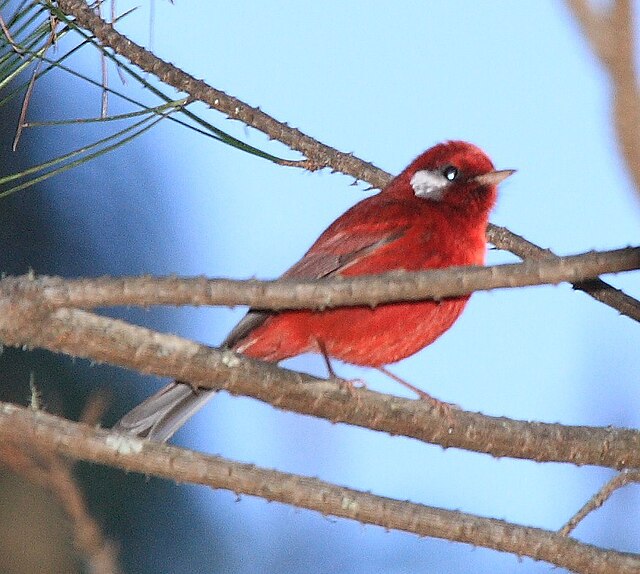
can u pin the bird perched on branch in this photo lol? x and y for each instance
(433, 215)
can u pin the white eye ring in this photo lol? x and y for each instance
(430, 184)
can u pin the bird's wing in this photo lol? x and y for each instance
(335, 250)
(312, 266)
(334, 255)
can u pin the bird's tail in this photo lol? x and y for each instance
(163, 413)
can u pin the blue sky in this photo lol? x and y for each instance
(386, 82)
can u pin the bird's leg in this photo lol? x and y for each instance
(422, 394)
(327, 360)
(347, 385)
(442, 407)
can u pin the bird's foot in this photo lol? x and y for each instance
(445, 410)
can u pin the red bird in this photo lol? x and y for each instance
(433, 215)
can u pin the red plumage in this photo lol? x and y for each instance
(433, 215)
(394, 230)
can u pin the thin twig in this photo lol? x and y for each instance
(100, 446)
(32, 82)
(104, 107)
(599, 498)
(5, 30)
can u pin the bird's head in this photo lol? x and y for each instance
(455, 173)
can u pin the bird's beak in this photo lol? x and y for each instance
(494, 177)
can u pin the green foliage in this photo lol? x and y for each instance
(26, 41)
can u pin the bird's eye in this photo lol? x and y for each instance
(450, 172)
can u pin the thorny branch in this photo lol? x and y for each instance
(317, 154)
(596, 288)
(373, 290)
(82, 334)
(100, 446)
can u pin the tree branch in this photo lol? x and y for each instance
(82, 334)
(598, 289)
(611, 35)
(317, 294)
(78, 441)
(318, 154)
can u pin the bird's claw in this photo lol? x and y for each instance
(350, 386)
(445, 410)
